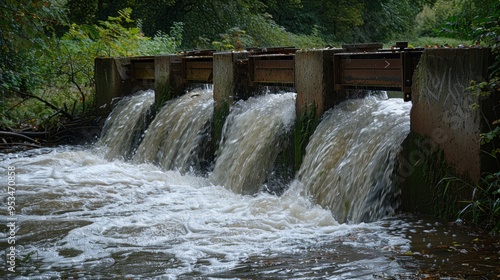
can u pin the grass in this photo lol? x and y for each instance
(482, 209)
(430, 41)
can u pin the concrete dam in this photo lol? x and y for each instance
(443, 128)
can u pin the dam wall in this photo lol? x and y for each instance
(447, 117)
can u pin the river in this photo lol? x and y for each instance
(82, 212)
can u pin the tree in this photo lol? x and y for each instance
(26, 31)
(385, 19)
(82, 11)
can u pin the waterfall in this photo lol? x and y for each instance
(252, 139)
(350, 158)
(349, 161)
(124, 126)
(179, 130)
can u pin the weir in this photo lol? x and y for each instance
(365, 66)
(321, 80)
(176, 137)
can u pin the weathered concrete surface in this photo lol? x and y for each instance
(442, 104)
(226, 85)
(314, 85)
(167, 84)
(314, 81)
(110, 76)
(445, 129)
(225, 78)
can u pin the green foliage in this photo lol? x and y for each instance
(487, 30)
(470, 19)
(265, 32)
(27, 29)
(65, 72)
(82, 11)
(430, 41)
(432, 17)
(205, 20)
(269, 22)
(163, 43)
(27, 36)
(490, 137)
(234, 39)
(483, 209)
(114, 37)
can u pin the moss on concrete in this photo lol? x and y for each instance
(219, 118)
(305, 124)
(428, 184)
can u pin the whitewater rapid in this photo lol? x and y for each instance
(123, 212)
(81, 213)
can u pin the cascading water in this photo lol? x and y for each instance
(177, 134)
(126, 123)
(78, 215)
(252, 138)
(351, 156)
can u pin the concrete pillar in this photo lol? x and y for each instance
(445, 129)
(226, 84)
(168, 81)
(110, 77)
(442, 104)
(315, 94)
(314, 81)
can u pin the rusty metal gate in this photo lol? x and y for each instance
(272, 66)
(381, 70)
(365, 67)
(197, 67)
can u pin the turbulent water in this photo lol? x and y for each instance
(175, 138)
(125, 125)
(253, 136)
(80, 215)
(350, 158)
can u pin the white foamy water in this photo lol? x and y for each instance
(125, 125)
(80, 215)
(350, 158)
(253, 136)
(178, 132)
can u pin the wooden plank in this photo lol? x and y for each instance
(141, 74)
(370, 63)
(372, 77)
(197, 69)
(142, 70)
(199, 64)
(274, 64)
(272, 71)
(362, 47)
(176, 67)
(199, 75)
(281, 76)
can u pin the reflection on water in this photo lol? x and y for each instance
(440, 250)
(82, 216)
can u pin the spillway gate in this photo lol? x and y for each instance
(366, 66)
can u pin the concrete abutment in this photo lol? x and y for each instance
(446, 119)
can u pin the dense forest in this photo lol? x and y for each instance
(47, 47)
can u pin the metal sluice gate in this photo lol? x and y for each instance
(360, 66)
(381, 69)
